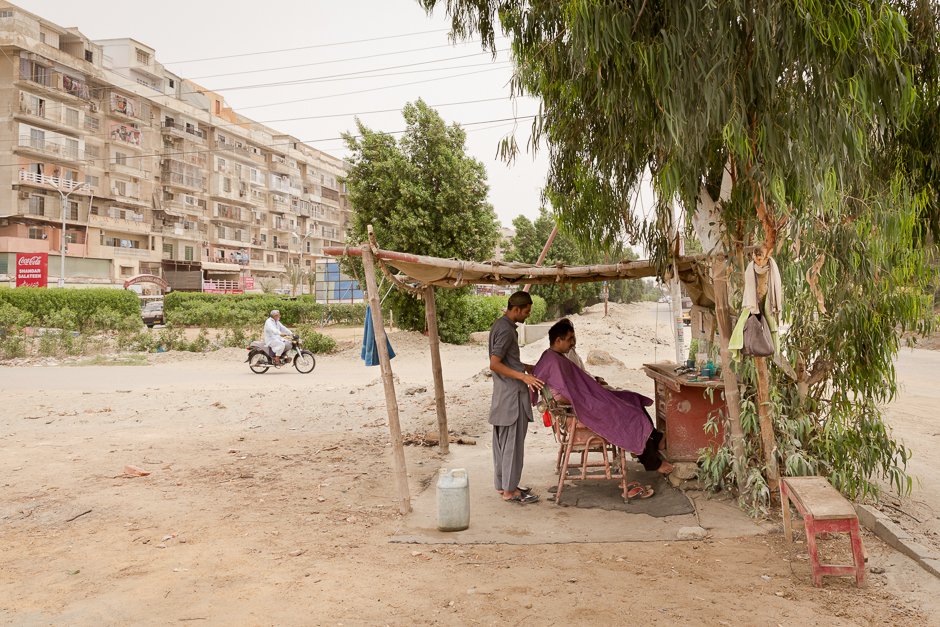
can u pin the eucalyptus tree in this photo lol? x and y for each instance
(773, 123)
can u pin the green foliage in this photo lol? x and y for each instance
(566, 298)
(314, 341)
(231, 310)
(86, 309)
(422, 194)
(12, 345)
(821, 117)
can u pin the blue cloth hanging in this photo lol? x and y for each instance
(370, 350)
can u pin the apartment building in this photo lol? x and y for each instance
(140, 171)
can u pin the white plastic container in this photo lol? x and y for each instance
(453, 500)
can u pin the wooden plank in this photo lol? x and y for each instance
(817, 497)
(430, 310)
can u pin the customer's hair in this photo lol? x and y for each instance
(519, 300)
(560, 329)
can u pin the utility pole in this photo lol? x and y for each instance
(65, 206)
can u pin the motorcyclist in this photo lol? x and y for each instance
(276, 336)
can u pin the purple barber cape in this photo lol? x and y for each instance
(617, 416)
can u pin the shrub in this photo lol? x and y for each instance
(12, 345)
(315, 342)
(229, 310)
(12, 317)
(70, 308)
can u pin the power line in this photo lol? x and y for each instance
(282, 144)
(104, 134)
(328, 62)
(351, 75)
(363, 91)
(311, 47)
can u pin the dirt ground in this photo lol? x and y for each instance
(270, 501)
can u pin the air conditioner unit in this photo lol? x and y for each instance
(24, 194)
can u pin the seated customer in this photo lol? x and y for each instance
(573, 356)
(619, 416)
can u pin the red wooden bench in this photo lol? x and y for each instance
(824, 510)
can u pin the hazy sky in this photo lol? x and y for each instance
(185, 31)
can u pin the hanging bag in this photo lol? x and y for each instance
(758, 341)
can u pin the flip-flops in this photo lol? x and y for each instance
(523, 499)
(638, 491)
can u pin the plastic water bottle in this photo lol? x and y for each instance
(453, 500)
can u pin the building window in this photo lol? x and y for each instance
(71, 237)
(37, 205)
(172, 83)
(36, 232)
(91, 181)
(188, 253)
(127, 271)
(89, 56)
(120, 188)
(72, 212)
(120, 158)
(71, 117)
(143, 57)
(94, 208)
(42, 36)
(71, 148)
(226, 184)
(168, 251)
(6, 14)
(37, 138)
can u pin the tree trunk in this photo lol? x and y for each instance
(768, 441)
(732, 392)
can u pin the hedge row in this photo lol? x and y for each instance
(89, 309)
(222, 310)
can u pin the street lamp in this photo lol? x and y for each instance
(302, 240)
(65, 202)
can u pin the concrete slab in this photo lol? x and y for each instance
(595, 512)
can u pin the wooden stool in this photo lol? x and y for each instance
(823, 510)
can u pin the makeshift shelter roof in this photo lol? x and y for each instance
(439, 272)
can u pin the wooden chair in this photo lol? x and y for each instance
(823, 510)
(575, 438)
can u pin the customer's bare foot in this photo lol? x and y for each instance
(665, 468)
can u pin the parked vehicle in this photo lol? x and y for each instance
(261, 358)
(152, 313)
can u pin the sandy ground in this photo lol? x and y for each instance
(270, 501)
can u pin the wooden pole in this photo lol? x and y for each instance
(768, 441)
(732, 392)
(548, 244)
(391, 403)
(430, 312)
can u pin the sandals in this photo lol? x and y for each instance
(637, 491)
(523, 499)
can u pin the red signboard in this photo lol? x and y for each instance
(249, 282)
(32, 269)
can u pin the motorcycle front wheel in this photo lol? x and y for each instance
(304, 362)
(258, 363)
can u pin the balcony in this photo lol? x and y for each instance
(48, 148)
(186, 132)
(57, 82)
(56, 182)
(122, 251)
(266, 266)
(182, 232)
(129, 170)
(185, 181)
(241, 151)
(51, 114)
(120, 224)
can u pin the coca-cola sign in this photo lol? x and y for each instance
(32, 269)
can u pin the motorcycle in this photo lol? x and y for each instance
(261, 358)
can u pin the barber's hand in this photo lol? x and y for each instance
(532, 382)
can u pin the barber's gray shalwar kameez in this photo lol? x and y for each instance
(510, 411)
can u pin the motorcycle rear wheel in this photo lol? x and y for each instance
(304, 362)
(259, 363)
